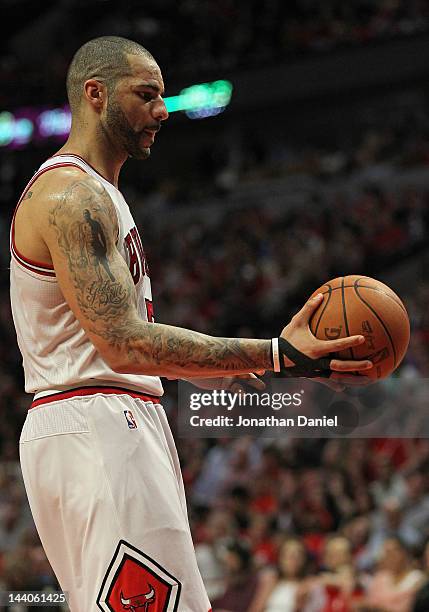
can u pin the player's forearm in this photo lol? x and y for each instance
(165, 350)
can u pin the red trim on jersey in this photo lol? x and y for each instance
(23, 263)
(85, 161)
(30, 264)
(84, 391)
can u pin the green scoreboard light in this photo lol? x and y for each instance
(203, 100)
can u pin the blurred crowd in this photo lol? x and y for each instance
(234, 248)
(191, 38)
(316, 525)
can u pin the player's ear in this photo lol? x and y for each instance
(95, 93)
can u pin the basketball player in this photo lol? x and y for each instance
(99, 462)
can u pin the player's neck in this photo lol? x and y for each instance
(95, 150)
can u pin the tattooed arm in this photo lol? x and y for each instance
(80, 235)
(79, 230)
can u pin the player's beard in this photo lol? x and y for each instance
(121, 131)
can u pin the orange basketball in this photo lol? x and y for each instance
(361, 305)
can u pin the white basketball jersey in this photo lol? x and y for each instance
(56, 352)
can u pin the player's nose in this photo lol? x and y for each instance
(160, 112)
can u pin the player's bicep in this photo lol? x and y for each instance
(94, 278)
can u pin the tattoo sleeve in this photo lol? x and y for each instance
(97, 284)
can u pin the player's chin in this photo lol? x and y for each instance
(140, 153)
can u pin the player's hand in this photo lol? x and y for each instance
(238, 384)
(299, 335)
(235, 384)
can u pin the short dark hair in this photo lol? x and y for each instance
(103, 58)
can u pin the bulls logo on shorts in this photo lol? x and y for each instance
(137, 583)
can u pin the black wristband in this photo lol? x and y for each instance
(304, 365)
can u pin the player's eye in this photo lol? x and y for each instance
(147, 97)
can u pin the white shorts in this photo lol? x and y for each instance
(105, 488)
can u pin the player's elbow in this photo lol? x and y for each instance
(112, 357)
(116, 360)
(129, 353)
(123, 366)
(108, 356)
(124, 363)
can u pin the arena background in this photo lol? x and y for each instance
(318, 167)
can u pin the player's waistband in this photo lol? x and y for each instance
(92, 390)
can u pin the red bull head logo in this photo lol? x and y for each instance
(134, 582)
(139, 601)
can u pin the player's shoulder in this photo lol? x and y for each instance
(69, 182)
(69, 191)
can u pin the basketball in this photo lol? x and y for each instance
(361, 305)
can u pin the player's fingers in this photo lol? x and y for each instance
(334, 346)
(250, 380)
(249, 375)
(304, 315)
(253, 381)
(236, 388)
(256, 383)
(340, 365)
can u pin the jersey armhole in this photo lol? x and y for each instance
(26, 262)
